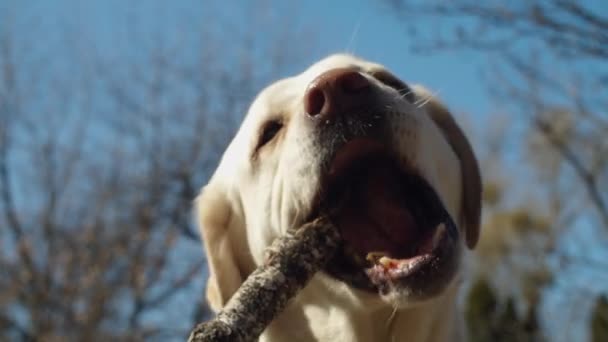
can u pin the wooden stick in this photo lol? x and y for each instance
(293, 260)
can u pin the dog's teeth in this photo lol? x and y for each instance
(438, 235)
(374, 256)
(385, 261)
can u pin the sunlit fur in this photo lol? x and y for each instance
(254, 196)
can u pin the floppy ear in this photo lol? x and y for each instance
(471, 176)
(217, 223)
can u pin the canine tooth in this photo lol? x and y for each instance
(439, 232)
(384, 261)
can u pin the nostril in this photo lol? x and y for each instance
(353, 82)
(335, 92)
(315, 100)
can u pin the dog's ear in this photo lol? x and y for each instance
(218, 224)
(471, 176)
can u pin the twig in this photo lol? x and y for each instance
(293, 260)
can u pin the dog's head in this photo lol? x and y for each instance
(348, 139)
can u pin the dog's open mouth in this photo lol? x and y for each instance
(396, 231)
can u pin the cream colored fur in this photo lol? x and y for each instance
(251, 199)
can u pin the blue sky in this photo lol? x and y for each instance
(366, 28)
(64, 31)
(369, 29)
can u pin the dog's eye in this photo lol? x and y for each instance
(269, 131)
(395, 83)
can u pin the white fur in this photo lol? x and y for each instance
(249, 202)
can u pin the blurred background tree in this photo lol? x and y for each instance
(101, 156)
(490, 319)
(599, 320)
(114, 113)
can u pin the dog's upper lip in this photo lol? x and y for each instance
(354, 149)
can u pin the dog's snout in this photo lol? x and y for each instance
(335, 91)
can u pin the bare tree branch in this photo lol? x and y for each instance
(587, 177)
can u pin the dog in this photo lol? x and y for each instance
(397, 176)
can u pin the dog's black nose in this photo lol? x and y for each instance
(336, 91)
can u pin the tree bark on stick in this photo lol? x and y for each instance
(293, 260)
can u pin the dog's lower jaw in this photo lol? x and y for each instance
(330, 319)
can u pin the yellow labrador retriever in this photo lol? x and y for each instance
(400, 178)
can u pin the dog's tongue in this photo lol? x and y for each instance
(375, 217)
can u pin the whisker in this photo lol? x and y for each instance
(422, 102)
(425, 102)
(390, 319)
(350, 48)
(389, 322)
(295, 217)
(405, 94)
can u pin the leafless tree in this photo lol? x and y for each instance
(550, 61)
(547, 66)
(98, 170)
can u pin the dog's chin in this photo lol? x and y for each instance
(398, 239)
